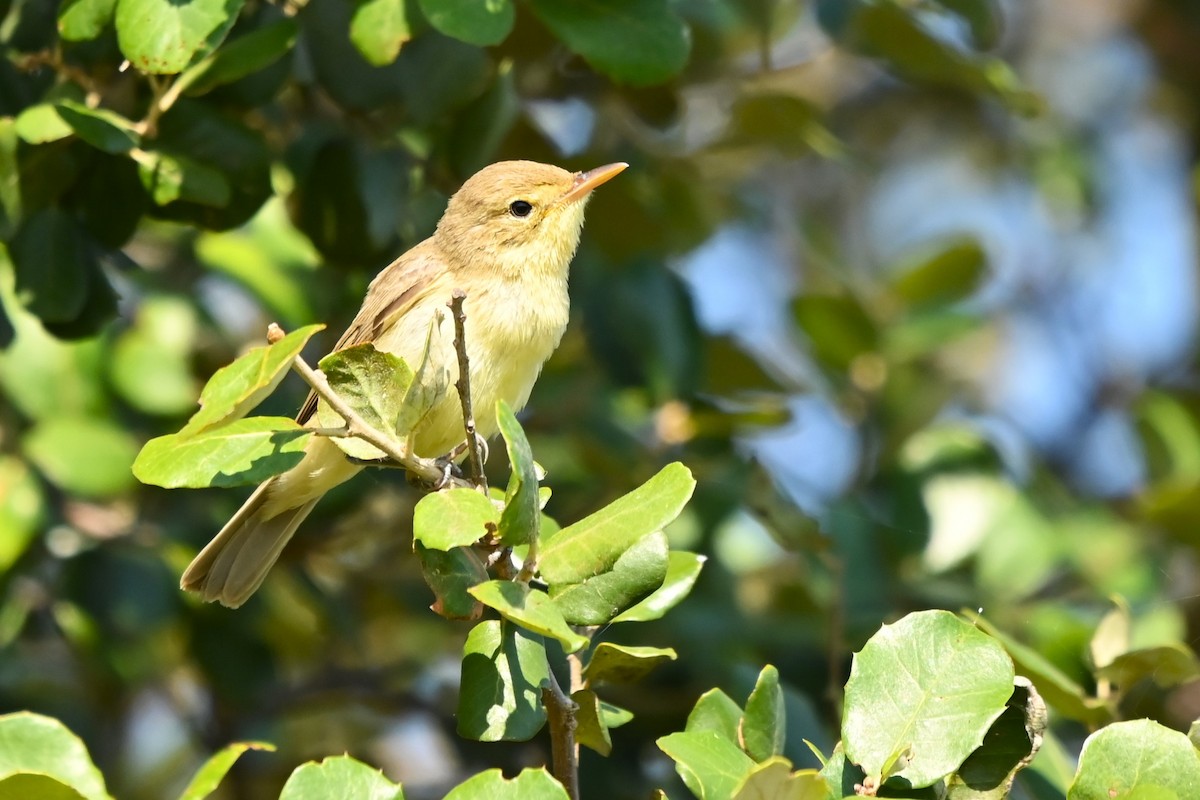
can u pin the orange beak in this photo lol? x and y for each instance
(586, 181)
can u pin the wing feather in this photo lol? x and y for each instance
(395, 290)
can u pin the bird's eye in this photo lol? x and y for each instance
(520, 208)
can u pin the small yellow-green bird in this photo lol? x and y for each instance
(506, 239)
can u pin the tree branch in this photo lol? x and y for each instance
(426, 469)
(564, 750)
(474, 454)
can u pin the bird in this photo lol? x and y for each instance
(506, 239)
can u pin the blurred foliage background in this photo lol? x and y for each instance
(909, 284)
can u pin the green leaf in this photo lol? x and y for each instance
(245, 451)
(683, 569)
(590, 730)
(52, 260)
(22, 509)
(1168, 665)
(636, 573)
(1060, 692)
(837, 327)
(373, 383)
(909, 678)
(243, 56)
(83, 20)
(531, 784)
(41, 123)
(33, 786)
(162, 37)
(151, 362)
(339, 776)
(169, 177)
(209, 776)
(774, 779)
(453, 518)
(235, 389)
(500, 696)
(379, 28)
(12, 202)
(481, 22)
(103, 129)
(430, 381)
(591, 546)
(949, 274)
(450, 574)
(530, 608)
(616, 663)
(614, 716)
(717, 712)
(31, 743)
(639, 42)
(86, 456)
(982, 17)
(1009, 746)
(763, 727)
(709, 764)
(519, 522)
(1125, 758)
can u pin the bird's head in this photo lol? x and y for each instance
(519, 217)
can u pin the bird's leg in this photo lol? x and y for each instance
(461, 447)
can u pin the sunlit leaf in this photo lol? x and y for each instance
(339, 776)
(1125, 758)
(453, 518)
(531, 784)
(234, 390)
(209, 776)
(81, 20)
(907, 680)
(683, 569)
(614, 663)
(763, 726)
(22, 508)
(162, 37)
(522, 513)
(636, 573)
(31, 743)
(776, 779)
(717, 712)
(709, 764)
(530, 608)
(242, 452)
(373, 383)
(379, 28)
(500, 698)
(591, 546)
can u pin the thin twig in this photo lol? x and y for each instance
(564, 751)
(474, 454)
(425, 468)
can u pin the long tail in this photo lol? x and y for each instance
(235, 562)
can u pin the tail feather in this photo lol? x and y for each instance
(236, 561)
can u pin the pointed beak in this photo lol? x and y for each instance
(586, 181)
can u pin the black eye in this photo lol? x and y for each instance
(520, 208)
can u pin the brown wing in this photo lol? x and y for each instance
(393, 292)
